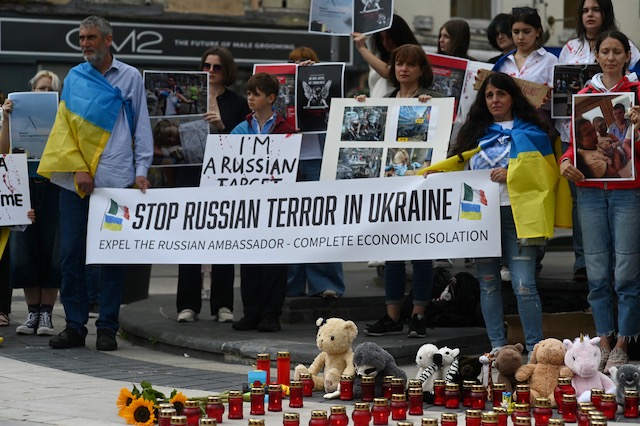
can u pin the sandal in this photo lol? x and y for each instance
(4, 319)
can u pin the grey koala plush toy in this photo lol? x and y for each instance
(371, 360)
(626, 377)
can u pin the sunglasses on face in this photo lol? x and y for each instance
(216, 67)
(523, 11)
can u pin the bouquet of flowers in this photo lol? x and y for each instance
(140, 407)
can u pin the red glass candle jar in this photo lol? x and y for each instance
(290, 419)
(596, 416)
(275, 397)
(405, 424)
(522, 421)
(489, 418)
(263, 362)
(608, 406)
(556, 422)
(503, 415)
(214, 408)
(583, 413)
(452, 396)
(598, 423)
(284, 368)
(257, 402)
(429, 421)
(523, 394)
(472, 417)
(399, 406)
(397, 385)
(439, 388)
(386, 387)
(319, 418)
(338, 416)
(466, 392)
(205, 421)
(596, 397)
(368, 388)
(496, 393)
(520, 409)
(164, 416)
(178, 420)
(256, 422)
(569, 408)
(449, 419)
(413, 383)
(361, 415)
(631, 404)
(295, 394)
(380, 411)
(542, 411)
(307, 384)
(346, 387)
(192, 411)
(564, 387)
(478, 397)
(415, 401)
(235, 405)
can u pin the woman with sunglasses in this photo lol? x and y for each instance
(225, 110)
(499, 35)
(609, 212)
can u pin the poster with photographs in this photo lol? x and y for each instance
(448, 76)
(286, 101)
(343, 17)
(603, 136)
(176, 92)
(569, 79)
(317, 85)
(385, 137)
(31, 121)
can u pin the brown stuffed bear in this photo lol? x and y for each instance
(545, 367)
(508, 360)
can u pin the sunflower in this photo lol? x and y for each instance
(124, 399)
(139, 412)
(178, 401)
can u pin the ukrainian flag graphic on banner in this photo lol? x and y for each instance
(471, 202)
(114, 216)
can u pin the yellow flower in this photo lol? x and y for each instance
(140, 412)
(124, 399)
(178, 401)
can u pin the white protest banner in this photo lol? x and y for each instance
(15, 201)
(236, 160)
(447, 215)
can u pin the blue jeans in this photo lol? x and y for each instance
(521, 261)
(395, 282)
(612, 243)
(74, 292)
(577, 230)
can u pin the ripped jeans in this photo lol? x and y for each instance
(521, 262)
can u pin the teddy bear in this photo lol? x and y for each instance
(507, 361)
(583, 358)
(470, 369)
(427, 366)
(626, 377)
(334, 340)
(545, 366)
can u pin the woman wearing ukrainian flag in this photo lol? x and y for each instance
(504, 133)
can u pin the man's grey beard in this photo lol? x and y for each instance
(96, 58)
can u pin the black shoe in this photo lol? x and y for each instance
(69, 338)
(106, 340)
(417, 326)
(580, 274)
(384, 326)
(269, 324)
(246, 324)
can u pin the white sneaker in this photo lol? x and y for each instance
(505, 274)
(30, 325)
(187, 315)
(225, 315)
(45, 327)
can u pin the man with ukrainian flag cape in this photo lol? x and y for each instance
(101, 138)
(504, 134)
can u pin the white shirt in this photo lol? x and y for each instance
(537, 68)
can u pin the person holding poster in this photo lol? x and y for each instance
(505, 134)
(454, 39)
(226, 109)
(263, 287)
(411, 75)
(608, 213)
(106, 147)
(377, 54)
(35, 259)
(5, 288)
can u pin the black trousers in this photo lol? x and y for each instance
(189, 288)
(5, 288)
(263, 288)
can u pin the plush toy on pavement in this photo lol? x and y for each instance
(626, 377)
(507, 361)
(449, 362)
(334, 340)
(545, 367)
(583, 358)
(428, 369)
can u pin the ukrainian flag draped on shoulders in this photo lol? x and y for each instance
(532, 175)
(88, 110)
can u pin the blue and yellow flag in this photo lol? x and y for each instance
(88, 110)
(4, 238)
